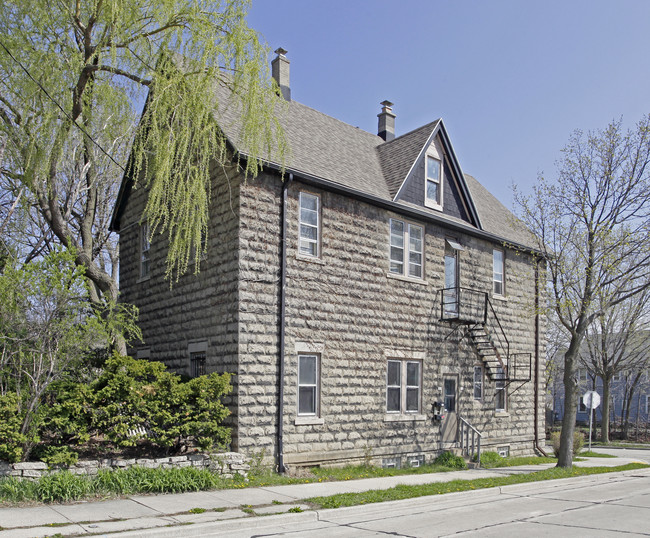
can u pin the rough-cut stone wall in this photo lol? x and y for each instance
(199, 308)
(346, 306)
(226, 464)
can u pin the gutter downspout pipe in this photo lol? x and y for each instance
(281, 322)
(537, 339)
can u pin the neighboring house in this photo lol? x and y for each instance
(619, 390)
(343, 342)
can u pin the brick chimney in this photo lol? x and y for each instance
(280, 72)
(386, 121)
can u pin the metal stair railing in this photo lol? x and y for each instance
(470, 440)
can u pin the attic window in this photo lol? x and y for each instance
(433, 183)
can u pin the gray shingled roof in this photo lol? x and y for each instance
(495, 217)
(324, 148)
(398, 155)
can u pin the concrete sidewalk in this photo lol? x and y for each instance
(141, 512)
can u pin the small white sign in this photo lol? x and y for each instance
(591, 399)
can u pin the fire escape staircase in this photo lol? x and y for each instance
(474, 310)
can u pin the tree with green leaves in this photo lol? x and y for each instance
(592, 225)
(47, 332)
(73, 76)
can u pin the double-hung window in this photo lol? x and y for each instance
(309, 242)
(308, 385)
(478, 382)
(498, 272)
(433, 184)
(406, 248)
(403, 386)
(647, 404)
(145, 250)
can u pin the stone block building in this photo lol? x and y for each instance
(373, 303)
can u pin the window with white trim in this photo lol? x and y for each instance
(582, 374)
(647, 404)
(309, 223)
(145, 250)
(582, 408)
(433, 182)
(616, 377)
(478, 382)
(403, 386)
(498, 272)
(500, 390)
(406, 248)
(308, 384)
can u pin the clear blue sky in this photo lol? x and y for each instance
(511, 78)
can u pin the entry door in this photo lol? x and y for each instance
(451, 282)
(450, 422)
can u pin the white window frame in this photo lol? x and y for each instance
(404, 387)
(430, 202)
(647, 404)
(500, 386)
(478, 384)
(582, 407)
(144, 251)
(617, 377)
(499, 277)
(582, 374)
(308, 246)
(311, 385)
(405, 265)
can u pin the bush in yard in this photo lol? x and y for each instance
(578, 442)
(447, 459)
(136, 400)
(490, 459)
(11, 439)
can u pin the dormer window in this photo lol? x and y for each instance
(433, 183)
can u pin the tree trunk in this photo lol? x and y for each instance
(565, 456)
(604, 423)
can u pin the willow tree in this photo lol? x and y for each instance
(592, 224)
(74, 76)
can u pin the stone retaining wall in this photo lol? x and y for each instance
(226, 464)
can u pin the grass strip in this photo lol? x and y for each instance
(408, 492)
(592, 454)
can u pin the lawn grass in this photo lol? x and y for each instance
(438, 488)
(66, 487)
(592, 454)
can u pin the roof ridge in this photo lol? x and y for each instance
(379, 139)
(422, 127)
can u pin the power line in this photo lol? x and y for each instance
(60, 107)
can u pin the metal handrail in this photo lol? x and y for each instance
(465, 429)
(493, 321)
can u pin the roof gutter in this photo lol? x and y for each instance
(281, 322)
(537, 358)
(398, 208)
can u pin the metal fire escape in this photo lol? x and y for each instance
(473, 309)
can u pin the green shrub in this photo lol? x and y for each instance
(578, 442)
(448, 459)
(139, 400)
(11, 440)
(490, 459)
(55, 455)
